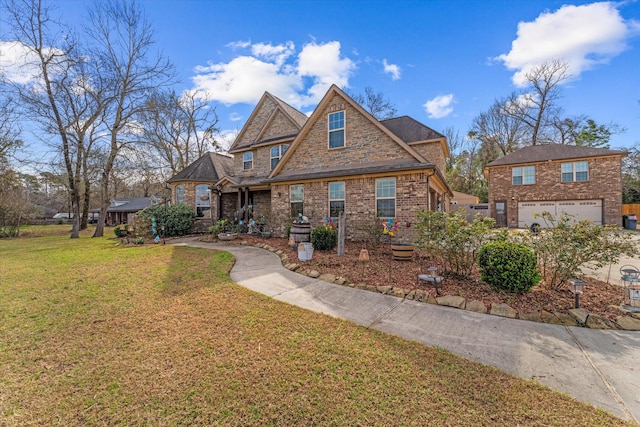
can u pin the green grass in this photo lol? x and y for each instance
(93, 333)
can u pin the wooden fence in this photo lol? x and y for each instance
(631, 209)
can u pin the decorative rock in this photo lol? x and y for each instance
(340, 281)
(292, 266)
(476, 306)
(533, 316)
(503, 310)
(327, 277)
(371, 288)
(565, 319)
(398, 292)
(421, 295)
(598, 322)
(279, 252)
(580, 314)
(314, 274)
(411, 295)
(360, 286)
(384, 289)
(628, 323)
(451, 301)
(430, 299)
(548, 317)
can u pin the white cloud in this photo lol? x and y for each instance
(440, 106)
(239, 44)
(584, 36)
(235, 117)
(17, 62)
(392, 69)
(299, 80)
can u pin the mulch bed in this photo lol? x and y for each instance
(599, 297)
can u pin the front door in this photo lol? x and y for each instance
(500, 209)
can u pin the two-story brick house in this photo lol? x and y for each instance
(584, 182)
(340, 158)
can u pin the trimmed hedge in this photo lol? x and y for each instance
(324, 238)
(508, 266)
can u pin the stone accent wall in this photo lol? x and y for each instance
(605, 182)
(364, 142)
(360, 203)
(254, 126)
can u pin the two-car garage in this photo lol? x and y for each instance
(578, 209)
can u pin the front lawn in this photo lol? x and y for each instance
(96, 333)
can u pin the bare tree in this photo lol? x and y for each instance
(536, 105)
(124, 39)
(178, 129)
(9, 128)
(51, 95)
(499, 131)
(375, 103)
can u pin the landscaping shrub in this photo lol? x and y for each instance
(324, 238)
(120, 230)
(451, 238)
(177, 219)
(508, 266)
(565, 246)
(221, 226)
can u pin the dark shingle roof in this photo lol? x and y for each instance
(390, 166)
(130, 205)
(210, 167)
(546, 152)
(410, 130)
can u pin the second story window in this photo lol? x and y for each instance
(276, 154)
(179, 194)
(575, 171)
(523, 175)
(336, 129)
(247, 160)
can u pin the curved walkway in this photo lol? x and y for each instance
(600, 367)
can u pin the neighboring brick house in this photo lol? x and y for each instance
(582, 181)
(339, 159)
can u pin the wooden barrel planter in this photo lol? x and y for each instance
(301, 232)
(402, 251)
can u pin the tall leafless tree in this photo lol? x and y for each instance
(124, 40)
(375, 103)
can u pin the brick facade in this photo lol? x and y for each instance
(605, 183)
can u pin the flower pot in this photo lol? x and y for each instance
(402, 251)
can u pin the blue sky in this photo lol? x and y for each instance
(440, 62)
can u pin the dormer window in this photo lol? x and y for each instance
(247, 160)
(276, 154)
(336, 129)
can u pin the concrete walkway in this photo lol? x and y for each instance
(600, 367)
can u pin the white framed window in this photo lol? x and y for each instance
(276, 154)
(336, 129)
(296, 198)
(336, 199)
(247, 160)
(523, 175)
(386, 197)
(179, 194)
(203, 202)
(575, 171)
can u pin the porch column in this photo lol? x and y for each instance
(239, 202)
(246, 203)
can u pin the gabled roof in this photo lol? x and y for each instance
(548, 152)
(335, 90)
(208, 168)
(410, 130)
(130, 204)
(297, 118)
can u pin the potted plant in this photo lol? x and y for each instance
(399, 251)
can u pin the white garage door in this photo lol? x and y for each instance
(579, 209)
